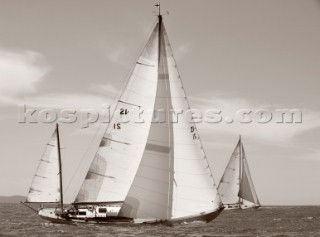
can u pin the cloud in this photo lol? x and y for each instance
(116, 55)
(106, 89)
(182, 50)
(97, 97)
(273, 133)
(20, 73)
(312, 155)
(68, 101)
(114, 52)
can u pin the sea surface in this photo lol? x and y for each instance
(18, 220)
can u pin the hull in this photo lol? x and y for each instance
(54, 215)
(197, 218)
(96, 220)
(241, 207)
(202, 218)
(249, 207)
(231, 206)
(88, 221)
(50, 215)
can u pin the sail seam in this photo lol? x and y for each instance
(128, 103)
(148, 65)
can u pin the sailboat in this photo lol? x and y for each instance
(236, 186)
(145, 171)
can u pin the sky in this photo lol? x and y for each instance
(231, 55)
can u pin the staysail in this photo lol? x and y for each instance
(174, 179)
(116, 161)
(46, 182)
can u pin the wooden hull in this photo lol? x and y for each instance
(97, 220)
(123, 220)
(202, 218)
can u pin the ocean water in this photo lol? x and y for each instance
(18, 220)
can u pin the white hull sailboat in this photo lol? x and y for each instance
(236, 186)
(143, 172)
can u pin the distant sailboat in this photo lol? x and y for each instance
(236, 186)
(142, 172)
(47, 182)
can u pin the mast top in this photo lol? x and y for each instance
(158, 6)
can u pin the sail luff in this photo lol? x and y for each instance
(169, 107)
(60, 167)
(240, 169)
(161, 62)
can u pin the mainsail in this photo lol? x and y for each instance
(46, 182)
(117, 159)
(174, 179)
(236, 185)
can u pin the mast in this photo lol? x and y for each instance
(60, 168)
(159, 33)
(158, 6)
(160, 45)
(240, 167)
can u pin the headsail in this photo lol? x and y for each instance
(116, 162)
(247, 190)
(230, 181)
(173, 179)
(46, 182)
